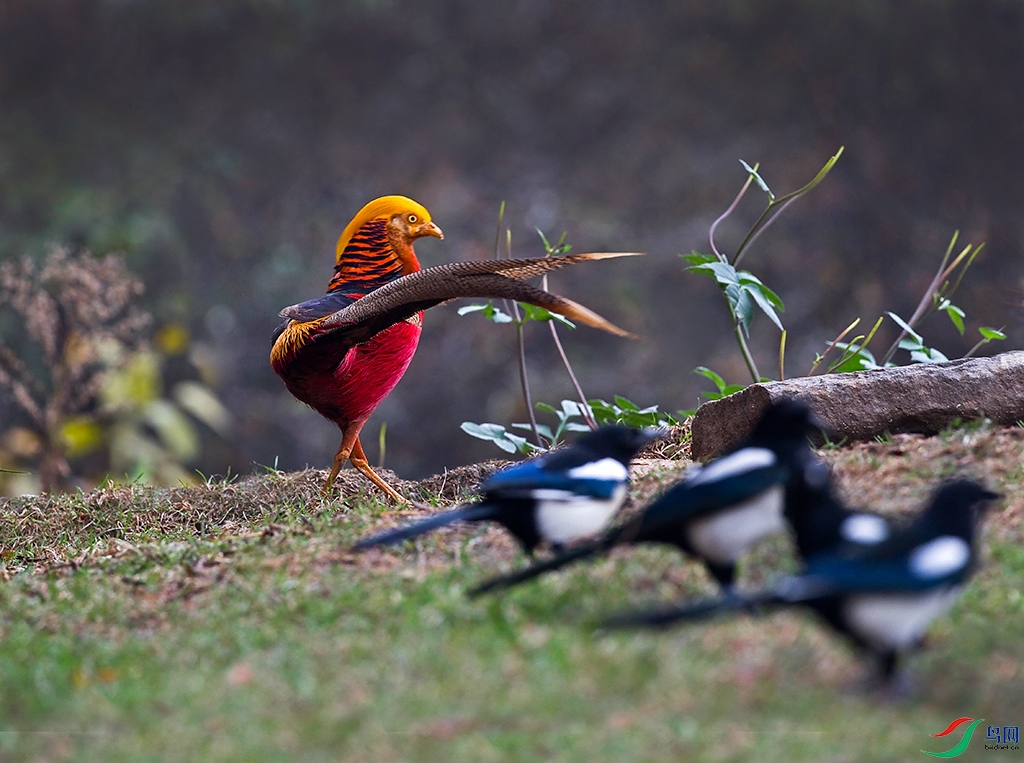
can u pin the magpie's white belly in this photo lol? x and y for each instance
(566, 517)
(894, 621)
(726, 535)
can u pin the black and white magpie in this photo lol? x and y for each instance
(882, 596)
(718, 511)
(559, 497)
(821, 523)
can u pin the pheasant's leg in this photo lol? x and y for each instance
(349, 438)
(358, 459)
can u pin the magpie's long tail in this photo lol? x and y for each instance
(464, 514)
(662, 618)
(535, 570)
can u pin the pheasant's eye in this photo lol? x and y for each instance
(412, 218)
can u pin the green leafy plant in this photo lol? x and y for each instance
(620, 411)
(578, 415)
(723, 389)
(742, 290)
(76, 363)
(937, 299)
(519, 314)
(745, 295)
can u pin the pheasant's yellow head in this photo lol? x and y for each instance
(394, 220)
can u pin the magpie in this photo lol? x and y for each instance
(820, 522)
(718, 511)
(881, 597)
(558, 497)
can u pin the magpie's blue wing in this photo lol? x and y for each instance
(943, 561)
(693, 498)
(597, 479)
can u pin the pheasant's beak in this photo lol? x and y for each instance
(429, 229)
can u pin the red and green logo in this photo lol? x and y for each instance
(964, 741)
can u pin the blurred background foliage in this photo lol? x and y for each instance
(222, 146)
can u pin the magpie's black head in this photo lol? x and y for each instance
(618, 442)
(785, 420)
(957, 506)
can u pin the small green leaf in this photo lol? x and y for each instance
(490, 312)
(927, 355)
(855, 357)
(904, 325)
(508, 442)
(764, 303)
(724, 390)
(542, 429)
(707, 373)
(758, 179)
(956, 315)
(535, 313)
(742, 305)
(747, 277)
(573, 408)
(696, 258)
(625, 404)
(575, 426)
(991, 334)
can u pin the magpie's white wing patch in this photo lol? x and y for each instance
(743, 460)
(727, 534)
(864, 528)
(566, 517)
(603, 469)
(940, 557)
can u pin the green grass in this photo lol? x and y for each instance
(229, 623)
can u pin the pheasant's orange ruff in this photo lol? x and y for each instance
(368, 261)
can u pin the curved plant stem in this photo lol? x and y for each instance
(524, 379)
(725, 214)
(585, 407)
(778, 206)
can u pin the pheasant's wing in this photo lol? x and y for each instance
(311, 309)
(318, 307)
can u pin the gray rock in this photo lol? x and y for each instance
(923, 398)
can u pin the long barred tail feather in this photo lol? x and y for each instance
(488, 279)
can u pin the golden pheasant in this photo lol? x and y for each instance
(343, 353)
